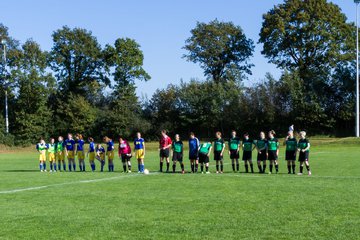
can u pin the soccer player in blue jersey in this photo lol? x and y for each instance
(139, 149)
(100, 155)
(194, 145)
(80, 151)
(110, 152)
(91, 153)
(70, 151)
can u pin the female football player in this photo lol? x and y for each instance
(248, 146)
(100, 155)
(234, 150)
(261, 146)
(41, 148)
(125, 154)
(139, 149)
(91, 153)
(219, 147)
(177, 153)
(80, 151)
(290, 153)
(70, 151)
(60, 155)
(109, 152)
(304, 149)
(273, 151)
(204, 154)
(194, 145)
(51, 149)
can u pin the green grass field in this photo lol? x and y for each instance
(191, 206)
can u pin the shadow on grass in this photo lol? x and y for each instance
(20, 170)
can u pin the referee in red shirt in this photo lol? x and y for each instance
(164, 147)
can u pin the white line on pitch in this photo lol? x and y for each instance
(68, 183)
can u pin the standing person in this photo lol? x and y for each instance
(70, 151)
(125, 154)
(164, 148)
(41, 148)
(290, 153)
(177, 153)
(194, 145)
(80, 151)
(100, 155)
(248, 146)
(91, 153)
(204, 154)
(304, 149)
(51, 148)
(219, 147)
(60, 155)
(234, 150)
(139, 149)
(273, 151)
(261, 146)
(110, 152)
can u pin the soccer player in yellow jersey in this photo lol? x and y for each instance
(41, 148)
(51, 148)
(60, 154)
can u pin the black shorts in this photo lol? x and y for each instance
(247, 155)
(234, 154)
(164, 153)
(303, 156)
(203, 158)
(125, 158)
(217, 156)
(290, 155)
(193, 156)
(177, 156)
(262, 156)
(272, 155)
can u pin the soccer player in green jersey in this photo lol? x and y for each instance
(304, 148)
(234, 149)
(60, 153)
(273, 151)
(219, 147)
(261, 146)
(204, 154)
(248, 146)
(177, 153)
(290, 153)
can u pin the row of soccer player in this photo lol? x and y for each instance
(267, 149)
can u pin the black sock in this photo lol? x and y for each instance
(167, 166)
(182, 167)
(196, 167)
(161, 166)
(260, 169)
(202, 168)
(308, 168)
(277, 167)
(271, 168)
(207, 168)
(264, 168)
(129, 167)
(301, 169)
(174, 167)
(217, 167)
(252, 167)
(192, 167)
(293, 168)
(237, 167)
(221, 167)
(246, 168)
(124, 167)
(233, 167)
(289, 169)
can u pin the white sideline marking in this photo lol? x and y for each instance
(68, 183)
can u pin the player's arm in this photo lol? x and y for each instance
(210, 148)
(307, 147)
(278, 148)
(239, 147)
(222, 150)
(144, 148)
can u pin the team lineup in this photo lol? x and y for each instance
(199, 153)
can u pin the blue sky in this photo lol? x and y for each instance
(159, 26)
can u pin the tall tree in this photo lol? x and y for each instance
(222, 49)
(33, 86)
(309, 36)
(77, 60)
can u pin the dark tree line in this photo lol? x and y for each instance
(80, 86)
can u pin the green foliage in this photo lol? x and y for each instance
(77, 60)
(222, 50)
